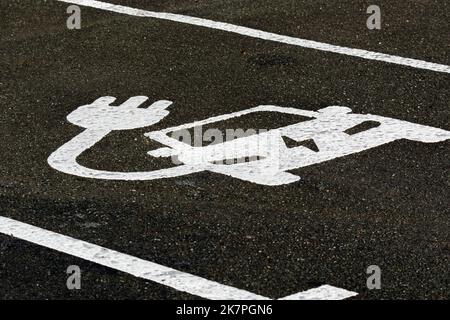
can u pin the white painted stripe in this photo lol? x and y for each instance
(254, 33)
(178, 280)
(175, 279)
(325, 292)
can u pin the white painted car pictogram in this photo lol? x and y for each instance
(330, 130)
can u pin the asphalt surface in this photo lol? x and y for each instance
(388, 206)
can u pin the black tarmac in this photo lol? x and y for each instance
(388, 206)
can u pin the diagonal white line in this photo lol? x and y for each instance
(254, 33)
(178, 280)
(140, 268)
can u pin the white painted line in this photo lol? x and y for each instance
(175, 279)
(324, 292)
(254, 33)
(178, 280)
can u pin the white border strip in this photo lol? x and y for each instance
(175, 279)
(254, 33)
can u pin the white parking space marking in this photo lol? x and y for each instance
(324, 292)
(328, 128)
(254, 33)
(175, 279)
